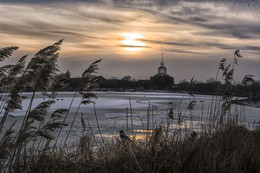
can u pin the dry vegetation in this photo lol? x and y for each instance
(229, 149)
(224, 144)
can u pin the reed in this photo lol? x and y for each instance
(131, 113)
(229, 149)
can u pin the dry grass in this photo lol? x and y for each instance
(230, 149)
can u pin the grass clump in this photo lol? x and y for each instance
(231, 148)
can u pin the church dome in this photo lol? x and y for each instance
(162, 68)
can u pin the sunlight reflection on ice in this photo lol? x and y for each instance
(112, 115)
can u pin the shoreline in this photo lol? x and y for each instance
(246, 102)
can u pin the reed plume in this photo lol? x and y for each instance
(190, 87)
(13, 81)
(7, 52)
(42, 68)
(88, 84)
(29, 131)
(248, 79)
(237, 55)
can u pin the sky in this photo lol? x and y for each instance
(131, 35)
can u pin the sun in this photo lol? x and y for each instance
(131, 43)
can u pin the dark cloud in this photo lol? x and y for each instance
(198, 19)
(216, 26)
(40, 30)
(232, 47)
(106, 19)
(202, 43)
(237, 30)
(49, 1)
(72, 34)
(204, 17)
(251, 6)
(91, 47)
(182, 51)
(160, 3)
(112, 20)
(166, 42)
(184, 10)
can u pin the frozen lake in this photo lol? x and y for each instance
(112, 109)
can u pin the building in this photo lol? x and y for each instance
(162, 80)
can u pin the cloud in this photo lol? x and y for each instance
(241, 30)
(50, 1)
(182, 51)
(185, 45)
(242, 4)
(198, 19)
(182, 29)
(160, 42)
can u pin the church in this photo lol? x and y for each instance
(161, 80)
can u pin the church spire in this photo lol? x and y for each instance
(162, 63)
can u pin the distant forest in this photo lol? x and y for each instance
(210, 87)
(214, 87)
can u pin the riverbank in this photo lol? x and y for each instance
(253, 102)
(231, 148)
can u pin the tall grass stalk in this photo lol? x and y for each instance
(126, 114)
(131, 113)
(153, 123)
(3, 101)
(65, 118)
(92, 134)
(71, 125)
(147, 123)
(95, 113)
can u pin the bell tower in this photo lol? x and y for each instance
(162, 70)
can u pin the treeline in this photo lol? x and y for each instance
(210, 87)
(215, 87)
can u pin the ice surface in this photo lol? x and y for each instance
(112, 109)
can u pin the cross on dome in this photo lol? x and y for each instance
(162, 63)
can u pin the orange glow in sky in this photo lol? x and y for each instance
(130, 43)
